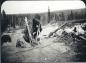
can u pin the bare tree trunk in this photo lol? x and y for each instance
(28, 28)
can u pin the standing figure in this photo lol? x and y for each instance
(32, 30)
(36, 26)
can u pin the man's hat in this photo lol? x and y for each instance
(37, 17)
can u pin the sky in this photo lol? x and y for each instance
(22, 7)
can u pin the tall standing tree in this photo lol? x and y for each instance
(48, 14)
(4, 22)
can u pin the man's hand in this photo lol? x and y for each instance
(37, 26)
(34, 33)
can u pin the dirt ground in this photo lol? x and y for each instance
(55, 49)
(49, 50)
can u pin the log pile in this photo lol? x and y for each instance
(75, 36)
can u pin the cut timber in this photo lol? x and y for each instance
(51, 33)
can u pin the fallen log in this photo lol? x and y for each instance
(51, 33)
(82, 38)
(70, 21)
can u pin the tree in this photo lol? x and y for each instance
(4, 22)
(48, 14)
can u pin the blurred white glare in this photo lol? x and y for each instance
(22, 7)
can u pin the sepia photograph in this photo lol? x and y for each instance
(43, 31)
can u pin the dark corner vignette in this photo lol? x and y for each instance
(22, 40)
